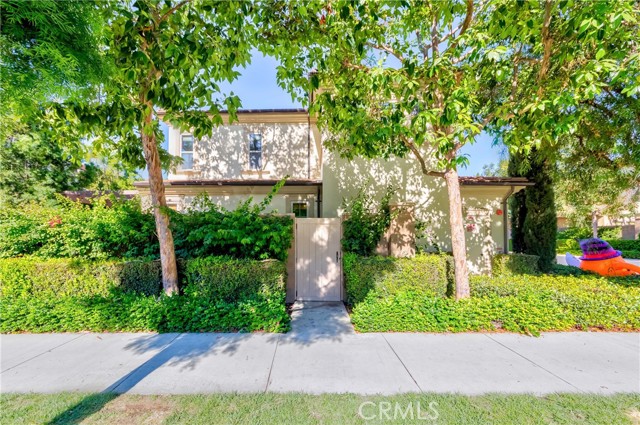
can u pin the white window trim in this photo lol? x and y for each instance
(301, 201)
(250, 169)
(191, 151)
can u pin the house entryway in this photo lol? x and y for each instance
(318, 260)
(311, 320)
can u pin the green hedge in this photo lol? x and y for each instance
(430, 273)
(218, 294)
(567, 245)
(406, 295)
(629, 248)
(625, 245)
(112, 228)
(60, 277)
(604, 232)
(514, 264)
(228, 279)
(631, 254)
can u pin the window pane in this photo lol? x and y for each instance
(255, 142)
(187, 143)
(255, 160)
(299, 209)
(187, 161)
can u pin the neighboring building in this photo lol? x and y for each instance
(245, 159)
(628, 219)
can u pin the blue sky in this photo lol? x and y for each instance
(258, 89)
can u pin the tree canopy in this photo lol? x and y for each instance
(423, 79)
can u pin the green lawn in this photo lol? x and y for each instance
(72, 408)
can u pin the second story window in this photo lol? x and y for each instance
(255, 151)
(186, 152)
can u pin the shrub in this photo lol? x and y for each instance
(412, 311)
(219, 294)
(61, 277)
(108, 228)
(206, 229)
(514, 264)
(625, 245)
(429, 273)
(112, 228)
(366, 223)
(604, 232)
(528, 304)
(385, 300)
(631, 254)
(568, 245)
(629, 248)
(230, 280)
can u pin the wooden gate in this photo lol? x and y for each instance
(318, 259)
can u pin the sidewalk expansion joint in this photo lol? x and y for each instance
(535, 364)
(273, 359)
(44, 352)
(403, 365)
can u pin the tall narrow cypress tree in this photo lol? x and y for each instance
(533, 210)
(540, 224)
(517, 207)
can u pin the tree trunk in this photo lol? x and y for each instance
(159, 203)
(458, 242)
(594, 223)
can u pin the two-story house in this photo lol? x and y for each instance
(246, 158)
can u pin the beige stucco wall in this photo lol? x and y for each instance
(225, 154)
(343, 178)
(229, 197)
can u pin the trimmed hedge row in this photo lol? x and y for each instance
(569, 299)
(514, 264)
(629, 248)
(429, 273)
(218, 294)
(625, 244)
(61, 277)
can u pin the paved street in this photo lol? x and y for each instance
(321, 362)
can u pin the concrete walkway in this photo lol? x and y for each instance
(320, 362)
(313, 320)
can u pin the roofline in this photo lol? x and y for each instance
(257, 111)
(230, 182)
(464, 181)
(495, 181)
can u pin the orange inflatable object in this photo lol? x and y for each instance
(611, 267)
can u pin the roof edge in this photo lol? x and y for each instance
(256, 111)
(234, 182)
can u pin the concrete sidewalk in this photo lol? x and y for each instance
(359, 363)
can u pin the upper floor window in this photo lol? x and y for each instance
(255, 151)
(186, 152)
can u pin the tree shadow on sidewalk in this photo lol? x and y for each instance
(187, 354)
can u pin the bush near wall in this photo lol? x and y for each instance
(514, 264)
(526, 304)
(68, 296)
(119, 229)
(429, 273)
